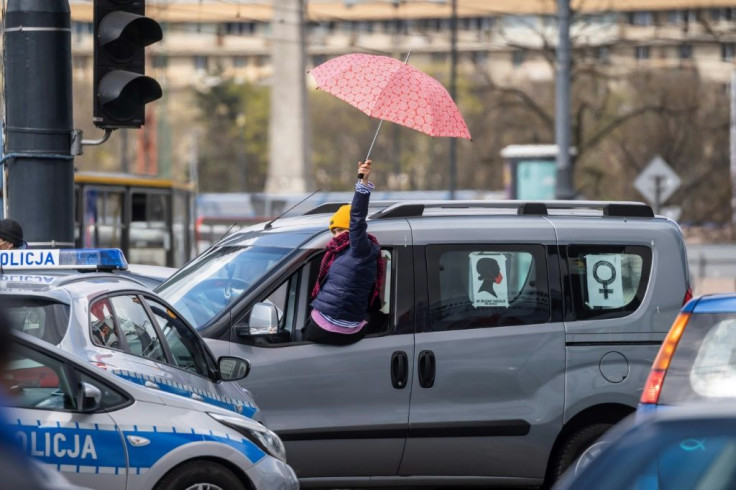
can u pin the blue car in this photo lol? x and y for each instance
(683, 448)
(697, 360)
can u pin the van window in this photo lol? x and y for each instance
(293, 297)
(607, 281)
(487, 286)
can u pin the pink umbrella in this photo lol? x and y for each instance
(391, 90)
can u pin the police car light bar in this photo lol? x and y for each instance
(58, 259)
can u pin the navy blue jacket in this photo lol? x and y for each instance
(347, 288)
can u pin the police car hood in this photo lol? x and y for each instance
(151, 395)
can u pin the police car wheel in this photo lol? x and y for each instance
(200, 475)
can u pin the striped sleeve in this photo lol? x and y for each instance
(364, 188)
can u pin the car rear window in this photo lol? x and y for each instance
(42, 318)
(704, 363)
(607, 281)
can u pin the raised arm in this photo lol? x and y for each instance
(360, 244)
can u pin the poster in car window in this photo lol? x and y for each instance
(488, 282)
(603, 279)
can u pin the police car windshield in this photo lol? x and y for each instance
(204, 288)
(44, 319)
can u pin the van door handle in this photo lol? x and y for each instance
(427, 368)
(399, 369)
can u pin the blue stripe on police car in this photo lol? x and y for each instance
(87, 448)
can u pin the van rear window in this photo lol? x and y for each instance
(704, 363)
(43, 319)
(607, 281)
(476, 286)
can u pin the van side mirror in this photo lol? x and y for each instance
(263, 320)
(88, 397)
(233, 368)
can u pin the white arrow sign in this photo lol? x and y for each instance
(657, 182)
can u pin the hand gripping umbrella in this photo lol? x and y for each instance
(392, 90)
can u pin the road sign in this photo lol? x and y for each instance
(657, 182)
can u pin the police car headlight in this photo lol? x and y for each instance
(260, 435)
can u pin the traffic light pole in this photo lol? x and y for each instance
(39, 166)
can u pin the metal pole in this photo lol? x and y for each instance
(38, 97)
(564, 187)
(658, 188)
(453, 91)
(732, 154)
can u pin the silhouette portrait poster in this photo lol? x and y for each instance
(603, 278)
(488, 281)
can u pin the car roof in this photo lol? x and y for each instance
(712, 303)
(315, 220)
(61, 284)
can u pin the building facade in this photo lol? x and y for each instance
(507, 39)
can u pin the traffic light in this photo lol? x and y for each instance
(121, 89)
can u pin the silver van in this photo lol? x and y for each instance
(465, 377)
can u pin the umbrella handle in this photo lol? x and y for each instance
(360, 176)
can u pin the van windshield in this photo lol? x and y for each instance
(204, 288)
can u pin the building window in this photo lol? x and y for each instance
(603, 54)
(239, 61)
(642, 52)
(686, 51)
(727, 51)
(200, 63)
(240, 28)
(438, 57)
(159, 61)
(79, 62)
(82, 30)
(517, 57)
(641, 18)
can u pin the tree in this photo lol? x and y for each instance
(233, 147)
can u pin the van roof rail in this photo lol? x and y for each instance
(530, 208)
(331, 207)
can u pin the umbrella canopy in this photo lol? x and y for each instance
(392, 90)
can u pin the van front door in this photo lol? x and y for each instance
(342, 411)
(487, 393)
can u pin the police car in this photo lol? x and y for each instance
(72, 299)
(101, 431)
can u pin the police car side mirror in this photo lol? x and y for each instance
(88, 397)
(263, 320)
(233, 368)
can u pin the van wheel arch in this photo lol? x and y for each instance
(590, 423)
(198, 463)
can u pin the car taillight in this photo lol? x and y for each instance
(688, 296)
(653, 386)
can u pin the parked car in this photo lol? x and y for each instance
(451, 385)
(72, 299)
(696, 361)
(684, 448)
(102, 431)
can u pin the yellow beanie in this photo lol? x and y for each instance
(341, 218)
